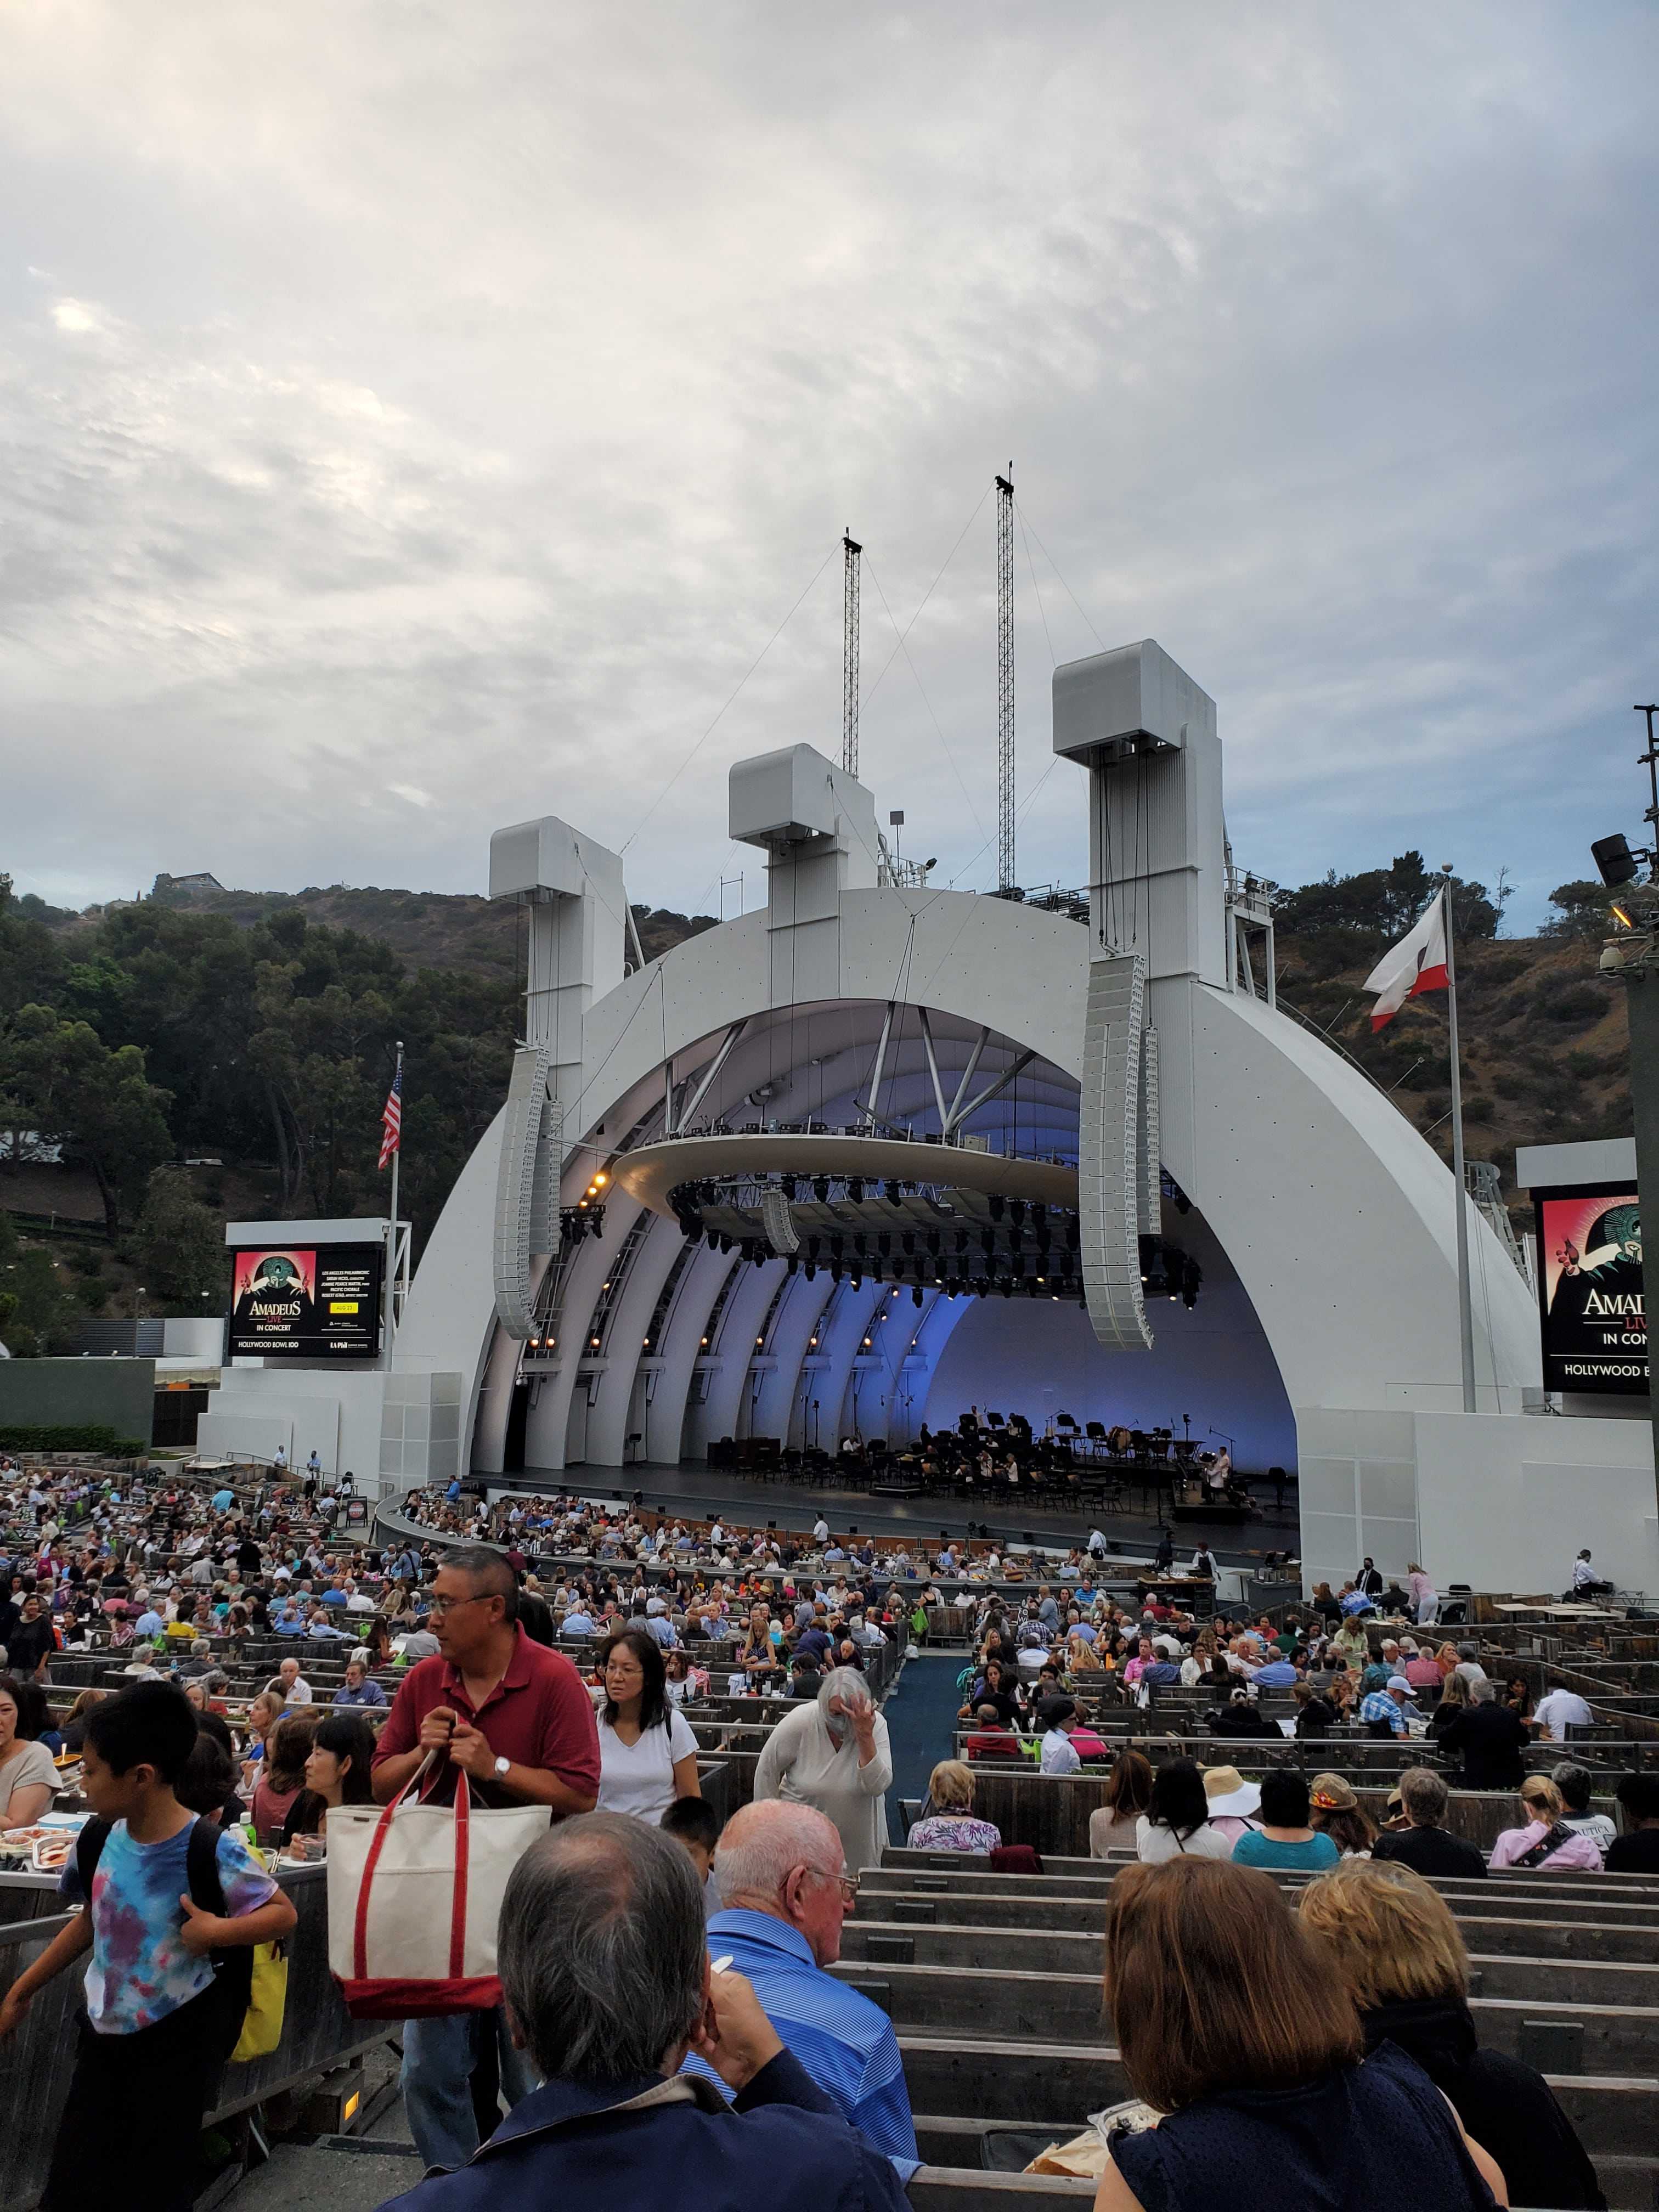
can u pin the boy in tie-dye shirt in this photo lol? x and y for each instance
(157, 2028)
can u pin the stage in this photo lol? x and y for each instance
(697, 1491)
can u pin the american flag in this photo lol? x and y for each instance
(392, 1119)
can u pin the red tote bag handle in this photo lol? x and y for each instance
(377, 1843)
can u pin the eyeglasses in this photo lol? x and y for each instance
(437, 1607)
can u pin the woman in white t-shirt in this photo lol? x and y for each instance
(647, 1753)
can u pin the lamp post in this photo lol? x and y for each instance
(1632, 955)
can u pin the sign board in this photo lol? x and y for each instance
(1591, 1306)
(307, 1302)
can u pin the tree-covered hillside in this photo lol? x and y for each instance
(255, 1032)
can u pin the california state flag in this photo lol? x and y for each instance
(1416, 964)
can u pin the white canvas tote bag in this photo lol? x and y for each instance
(414, 1895)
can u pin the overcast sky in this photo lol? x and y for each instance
(418, 418)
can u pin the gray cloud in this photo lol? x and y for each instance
(416, 418)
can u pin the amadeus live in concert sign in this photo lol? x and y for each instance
(305, 1302)
(1589, 1290)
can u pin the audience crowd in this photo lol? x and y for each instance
(669, 2017)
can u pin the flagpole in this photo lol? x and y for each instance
(1465, 1312)
(391, 1239)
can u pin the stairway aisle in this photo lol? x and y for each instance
(920, 1714)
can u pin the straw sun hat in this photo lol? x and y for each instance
(1230, 1795)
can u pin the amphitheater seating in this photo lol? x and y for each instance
(992, 1982)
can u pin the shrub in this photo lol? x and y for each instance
(91, 1438)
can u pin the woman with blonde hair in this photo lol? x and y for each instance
(1546, 1840)
(1233, 2027)
(950, 1826)
(1392, 1941)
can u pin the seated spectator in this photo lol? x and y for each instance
(1286, 1840)
(1425, 1844)
(1234, 1803)
(358, 1689)
(606, 1970)
(1176, 1821)
(951, 1826)
(282, 1773)
(1576, 1785)
(1636, 1850)
(1491, 1739)
(1337, 1814)
(1316, 1713)
(784, 1890)
(28, 1774)
(1239, 1718)
(1231, 2025)
(1396, 1946)
(1422, 1669)
(991, 1740)
(695, 1825)
(1128, 1793)
(1382, 1711)
(75, 1727)
(1546, 1839)
(336, 1773)
(1057, 1719)
(1453, 1702)
(1558, 1710)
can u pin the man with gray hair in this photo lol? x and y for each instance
(1426, 1845)
(785, 1891)
(609, 1987)
(833, 1755)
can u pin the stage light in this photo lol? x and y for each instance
(854, 1190)
(1615, 862)
(996, 1208)
(866, 1344)
(909, 1240)
(935, 1242)
(789, 1189)
(1007, 1289)
(859, 1244)
(601, 1180)
(837, 1246)
(1017, 1210)
(713, 1238)
(821, 1189)
(835, 1271)
(915, 1296)
(962, 1240)
(813, 1345)
(884, 1244)
(895, 1192)
(811, 1271)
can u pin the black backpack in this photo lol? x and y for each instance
(232, 1969)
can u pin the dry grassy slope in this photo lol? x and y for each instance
(1543, 1044)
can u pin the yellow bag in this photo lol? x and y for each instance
(262, 2023)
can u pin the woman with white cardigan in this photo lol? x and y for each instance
(833, 1755)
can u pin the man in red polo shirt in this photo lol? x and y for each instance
(515, 1717)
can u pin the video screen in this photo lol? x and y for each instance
(1590, 1290)
(297, 1303)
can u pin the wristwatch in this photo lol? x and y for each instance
(503, 1768)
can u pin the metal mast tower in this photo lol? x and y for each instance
(849, 655)
(1005, 876)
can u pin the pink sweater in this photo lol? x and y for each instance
(1576, 1851)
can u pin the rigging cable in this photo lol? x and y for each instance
(742, 680)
